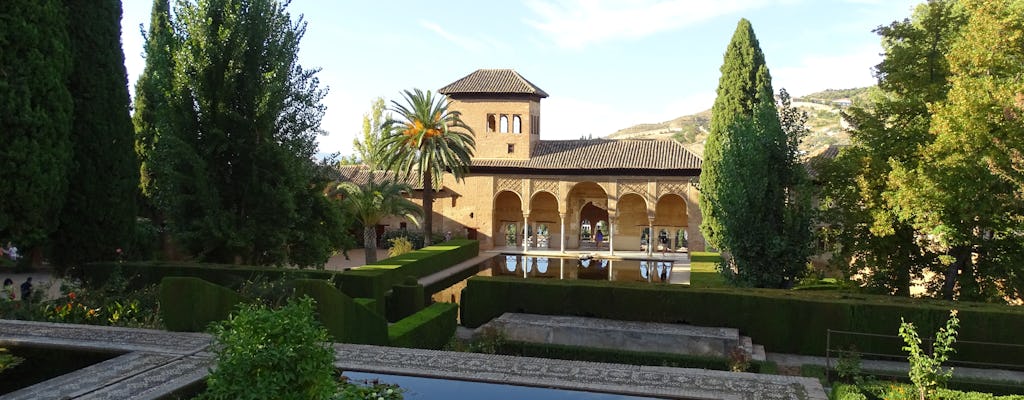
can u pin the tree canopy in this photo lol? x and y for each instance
(237, 179)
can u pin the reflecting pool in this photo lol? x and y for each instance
(443, 389)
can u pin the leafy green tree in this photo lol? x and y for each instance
(963, 194)
(426, 139)
(873, 240)
(35, 118)
(371, 203)
(245, 115)
(99, 212)
(751, 200)
(366, 148)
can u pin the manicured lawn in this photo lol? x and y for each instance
(703, 271)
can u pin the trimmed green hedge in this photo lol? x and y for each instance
(431, 328)
(564, 352)
(371, 281)
(190, 304)
(425, 261)
(405, 300)
(345, 319)
(783, 321)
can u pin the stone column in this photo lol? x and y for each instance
(650, 236)
(526, 232)
(561, 232)
(611, 237)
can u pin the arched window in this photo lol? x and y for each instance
(490, 123)
(542, 265)
(517, 124)
(504, 123)
(511, 262)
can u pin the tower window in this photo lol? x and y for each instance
(511, 148)
(504, 123)
(490, 122)
(517, 124)
(535, 124)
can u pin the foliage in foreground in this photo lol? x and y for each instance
(265, 353)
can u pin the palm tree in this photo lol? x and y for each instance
(427, 139)
(371, 203)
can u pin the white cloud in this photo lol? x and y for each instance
(819, 72)
(575, 24)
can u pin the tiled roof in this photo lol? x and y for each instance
(493, 81)
(360, 175)
(602, 154)
(812, 161)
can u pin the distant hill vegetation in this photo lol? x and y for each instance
(823, 120)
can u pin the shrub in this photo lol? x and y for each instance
(399, 245)
(272, 354)
(431, 328)
(926, 369)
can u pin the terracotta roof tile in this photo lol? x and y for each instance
(360, 175)
(603, 154)
(493, 81)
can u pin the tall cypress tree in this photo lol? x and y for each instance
(153, 114)
(749, 174)
(153, 91)
(99, 215)
(35, 119)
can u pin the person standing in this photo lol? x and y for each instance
(26, 289)
(598, 238)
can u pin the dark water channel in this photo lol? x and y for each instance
(43, 363)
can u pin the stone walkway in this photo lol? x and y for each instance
(155, 363)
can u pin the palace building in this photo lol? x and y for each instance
(526, 192)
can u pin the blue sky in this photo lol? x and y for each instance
(607, 64)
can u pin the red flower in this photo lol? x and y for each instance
(71, 295)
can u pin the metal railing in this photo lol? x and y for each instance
(834, 352)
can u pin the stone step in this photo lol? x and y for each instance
(619, 335)
(747, 344)
(759, 354)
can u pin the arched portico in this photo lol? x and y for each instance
(584, 197)
(544, 221)
(508, 219)
(632, 220)
(670, 216)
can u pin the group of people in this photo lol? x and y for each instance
(8, 293)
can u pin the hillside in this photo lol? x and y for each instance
(823, 120)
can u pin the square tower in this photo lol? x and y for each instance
(502, 108)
